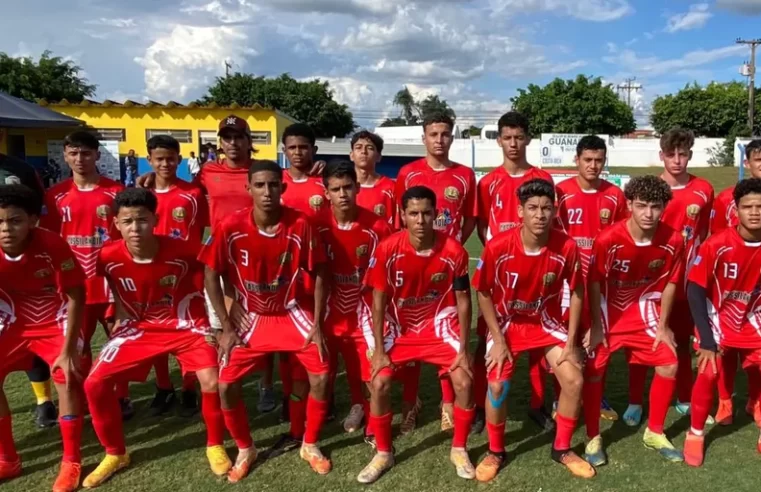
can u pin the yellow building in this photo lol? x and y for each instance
(132, 124)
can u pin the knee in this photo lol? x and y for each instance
(209, 383)
(381, 385)
(496, 389)
(462, 384)
(668, 371)
(573, 384)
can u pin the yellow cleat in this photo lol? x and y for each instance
(660, 443)
(218, 460)
(110, 465)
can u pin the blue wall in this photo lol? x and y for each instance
(389, 166)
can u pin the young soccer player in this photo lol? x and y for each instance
(498, 212)
(303, 192)
(723, 216)
(723, 290)
(588, 204)
(266, 252)
(635, 269)
(520, 280)
(79, 208)
(42, 297)
(182, 213)
(377, 191)
(455, 188)
(350, 235)
(419, 282)
(158, 288)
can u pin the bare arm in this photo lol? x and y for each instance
(468, 226)
(217, 297)
(574, 318)
(320, 295)
(595, 298)
(667, 304)
(490, 317)
(483, 226)
(464, 315)
(380, 300)
(74, 318)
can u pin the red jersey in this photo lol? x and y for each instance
(226, 188)
(305, 195)
(582, 214)
(455, 189)
(379, 198)
(689, 212)
(420, 286)
(727, 267)
(349, 249)
(165, 293)
(724, 213)
(32, 285)
(85, 219)
(182, 212)
(498, 201)
(528, 287)
(266, 270)
(632, 276)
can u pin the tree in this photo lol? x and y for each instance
(474, 131)
(398, 121)
(716, 110)
(50, 77)
(310, 102)
(433, 105)
(414, 112)
(404, 100)
(583, 105)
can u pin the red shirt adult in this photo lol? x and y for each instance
(724, 213)
(182, 212)
(84, 218)
(379, 198)
(226, 188)
(497, 198)
(455, 189)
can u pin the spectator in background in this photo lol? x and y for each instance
(212, 155)
(130, 168)
(194, 166)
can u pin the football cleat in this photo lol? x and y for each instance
(312, 455)
(447, 416)
(266, 402)
(633, 415)
(218, 460)
(607, 412)
(68, 477)
(377, 466)
(479, 422)
(461, 461)
(163, 401)
(682, 408)
(541, 417)
(577, 466)
(594, 453)
(188, 403)
(409, 418)
(489, 467)
(105, 470)
(660, 443)
(243, 463)
(10, 469)
(46, 415)
(694, 446)
(354, 420)
(724, 414)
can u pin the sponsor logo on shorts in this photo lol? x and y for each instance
(451, 193)
(316, 201)
(168, 281)
(178, 214)
(68, 265)
(693, 211)
(102, 212)
(549, 278)
(438, 277)
(605, 215)
(362, 250)
(42, 273)
(380, 210)
(656, 264)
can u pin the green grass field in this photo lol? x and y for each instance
(168, 453)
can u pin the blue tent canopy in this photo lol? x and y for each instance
(17, 113)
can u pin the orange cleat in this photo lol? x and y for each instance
(10, 469)
(489, 467)
(312, 455)
(577, 466)
(243, 463)
(694, 447)
(724, 413)
(68, 477)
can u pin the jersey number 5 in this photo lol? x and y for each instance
(399, 281)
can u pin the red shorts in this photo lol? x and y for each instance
(94, 313)
(525, 337)
(681, 322)
(638, 349)
(18, 350)
(129, 354)
(406, 349)
(270, 333)
(749, 357)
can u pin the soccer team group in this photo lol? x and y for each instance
(309, 263)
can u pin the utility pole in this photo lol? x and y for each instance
(750, 72)
(228, 66)
(629, 87)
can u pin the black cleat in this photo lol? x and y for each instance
(188, 403)
(479, 422)
(542, 418)
(285, 415)
(285, 444)
(128, 411)
(162, 402)
(46, 415)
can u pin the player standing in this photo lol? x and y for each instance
(377, 191)
(158, 287)
(520, 280)
(420, 287)
(723, 216)
(455, 188)
(182, 213)
(265, 251)
(42, 297)
(636, 267)
(498, 212)
(723, 289)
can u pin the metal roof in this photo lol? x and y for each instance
(18, 113)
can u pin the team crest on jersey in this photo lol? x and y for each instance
(168, 281)
(451, 193)
(178, 214)
(443, 220)
(369, 354)
(549, 278)
(438, 277)
(687, 233)
(380, 210)
(693, 211)
(42, 273)
(362, 250)
(605, 215)
(68, 265)
(316, 201)
(285, 258)
(656, 264)
(102, 212)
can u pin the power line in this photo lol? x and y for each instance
(629, 87)
(752, 80)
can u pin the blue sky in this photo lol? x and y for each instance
(473, 53)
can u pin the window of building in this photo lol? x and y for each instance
(182, 136)
(262, 138)
(117, 134)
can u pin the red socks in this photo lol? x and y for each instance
(684, 376)
(211, 409)
(536, 374)
(297, 410)
(71, 435)
(754, 382)
(496, 434)
(382, 428)
(463, 420)
(236, 421)
(189, 380)
(661, 393)
(161, 368)
(565, 427)
(411, 380)
(637, 377)
(727, 374)
(592, 399)
(317, 411)
(447, 390)
(702, 397)
(7, 446)
(106, 414)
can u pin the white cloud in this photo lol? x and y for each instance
(589, 10)
(751, 7)
(189, 58)
(224, 11)
(654, 66)
(114, 23)
(695, 18)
